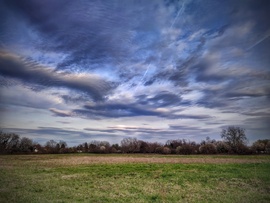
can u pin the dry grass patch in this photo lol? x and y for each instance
(72, 160)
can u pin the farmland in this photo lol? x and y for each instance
(134, 178)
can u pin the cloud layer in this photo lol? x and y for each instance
(163, 63)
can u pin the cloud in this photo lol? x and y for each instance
(118, 110)
(151, 133)
(24, 97)
(160, 99)
(111, 60)
(126, 130)
(60, 113)
(72, 137)
(90, 33)
(34, 74)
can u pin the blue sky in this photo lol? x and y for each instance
(155, 70)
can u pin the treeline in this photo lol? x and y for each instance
(234, 141)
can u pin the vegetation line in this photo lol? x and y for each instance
(234, 142)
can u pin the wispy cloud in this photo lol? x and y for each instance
(175, 62)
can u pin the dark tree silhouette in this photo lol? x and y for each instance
(235, 137)
(130, 145)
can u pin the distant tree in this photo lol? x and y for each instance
(261, 146)
(4, 139)
(26, 145)
(85, 147)
(152, 146)
(208, 140)
(52, 146)
(13, 145)
(115, 148)
(235, 137)
(159, 149)
(183, 146)
(267, 147)
(9, 142)
(130, 145)
(92, 148)
(106, 144)
(102, 149)
(96, 146)
(79, 148)
(143, 147)
(223, 147)
(166, 150)
(38, 148)
(208, 148)
(173, 144)
(62, 144)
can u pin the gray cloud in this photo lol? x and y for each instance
(34, 74)
(90, 33)
(160, 99)
(138, 59)
(60, 113)
(117, 110)
(148, 131)
(72, 137)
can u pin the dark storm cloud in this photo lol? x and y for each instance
(34, 74)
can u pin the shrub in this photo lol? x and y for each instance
(166, 150)
(258, 147)
(159, 150)
(186, 149)
(243, 149)
(223, 147)
(267, 147)
(261, 146)
(208, 148)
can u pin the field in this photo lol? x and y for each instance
(134, 178)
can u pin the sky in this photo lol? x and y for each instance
(155, 70)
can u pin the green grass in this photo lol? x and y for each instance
(31, 179)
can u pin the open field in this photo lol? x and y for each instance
(134, 178)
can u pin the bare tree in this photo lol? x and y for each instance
(261, 146)
(235, 137)
(51, 146)
(9, 142)
(130, 145)
(62, 144)
(26, 145)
